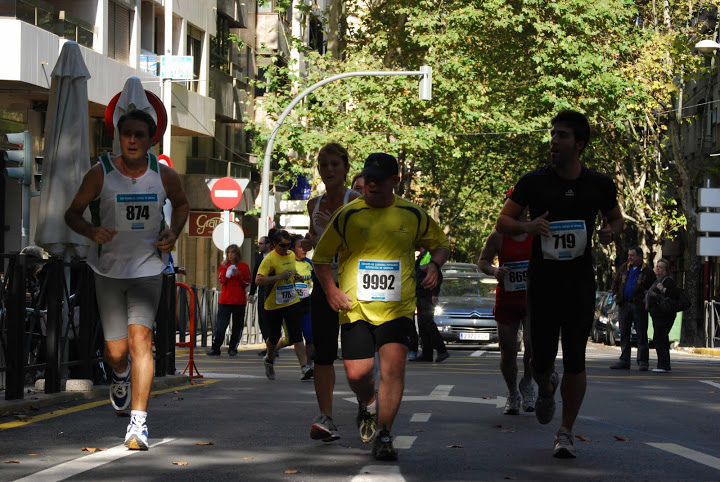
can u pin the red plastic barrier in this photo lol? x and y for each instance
(189, 344)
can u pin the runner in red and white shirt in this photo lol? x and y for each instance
(513, 253)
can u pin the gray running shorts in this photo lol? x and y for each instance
(124, 302)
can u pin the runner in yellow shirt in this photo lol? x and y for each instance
(376, 236)
(278, 269)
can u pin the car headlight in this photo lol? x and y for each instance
(439, 310)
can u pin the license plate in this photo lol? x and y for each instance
(475, 336)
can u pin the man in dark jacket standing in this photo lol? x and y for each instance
(630, 284)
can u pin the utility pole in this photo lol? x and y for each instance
(167, 83)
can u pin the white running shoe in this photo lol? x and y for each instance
(512, 404)
(136, 437)
(564, 444)
(323, 428)
(269, 369)
(528, 395)
(120, 390)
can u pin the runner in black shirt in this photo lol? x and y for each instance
(564, 199)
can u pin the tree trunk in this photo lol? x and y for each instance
(333, 34)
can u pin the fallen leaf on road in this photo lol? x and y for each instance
(291, 471)
(508, 430)
(180, 463)
(455, 446)
(178, 398)
(247, 458)
(498, 426)
(510, 477)
(419, 430)
(204, 443)
(621, 439)
(154, 395)
(122, 414)
(34, 398)
(487, 398)
(12, 462)
(582, 439)
(22, 418)
(33, 455)
(176, 392)
(93, 449)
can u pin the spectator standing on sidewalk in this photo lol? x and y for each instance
(632, 280)
(234, 277)
(657, 303)
(426, 301)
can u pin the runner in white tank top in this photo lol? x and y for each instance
(133, 207)
(130, 252)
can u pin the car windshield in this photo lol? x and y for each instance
(468, 287)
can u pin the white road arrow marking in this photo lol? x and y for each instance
(442, 394)
(420, 417)
(477, 353)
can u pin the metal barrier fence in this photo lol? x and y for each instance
(712, 323)
(50, 328)
(48, 323)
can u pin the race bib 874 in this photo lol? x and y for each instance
(378, 280)
(136, 211)
(567, 240)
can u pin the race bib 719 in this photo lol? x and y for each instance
(566, 241)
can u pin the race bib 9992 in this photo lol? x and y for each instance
(378, 280)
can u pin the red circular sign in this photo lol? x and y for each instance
(226, 193)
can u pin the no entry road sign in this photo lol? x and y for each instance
(226, 193)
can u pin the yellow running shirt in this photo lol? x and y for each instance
(283, 292)
(377, 256)
(303, 284)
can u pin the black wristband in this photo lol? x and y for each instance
(435, 263)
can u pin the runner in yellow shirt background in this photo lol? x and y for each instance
(278, 269)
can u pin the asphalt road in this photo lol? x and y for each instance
(234, 424)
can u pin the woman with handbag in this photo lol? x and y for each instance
(659, 302)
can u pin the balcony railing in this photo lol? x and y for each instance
(43, 15)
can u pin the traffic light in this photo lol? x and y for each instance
(22, 155)
(38, 173)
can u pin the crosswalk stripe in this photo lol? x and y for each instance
(690, 454)
(82, 464)
(420, 417)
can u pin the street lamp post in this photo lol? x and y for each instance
(425, 73)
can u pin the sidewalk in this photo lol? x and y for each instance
(34, 398)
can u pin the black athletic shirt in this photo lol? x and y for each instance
(577, 199)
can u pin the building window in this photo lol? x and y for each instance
(316, 41)
(194, 48)
(119, 30)
(220, 46)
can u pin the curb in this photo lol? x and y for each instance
(41, 399)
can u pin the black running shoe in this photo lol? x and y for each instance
(383, 447)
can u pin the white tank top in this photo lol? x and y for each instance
(319, 230)
(133, 207)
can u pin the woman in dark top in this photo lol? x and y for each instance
(662, 312)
